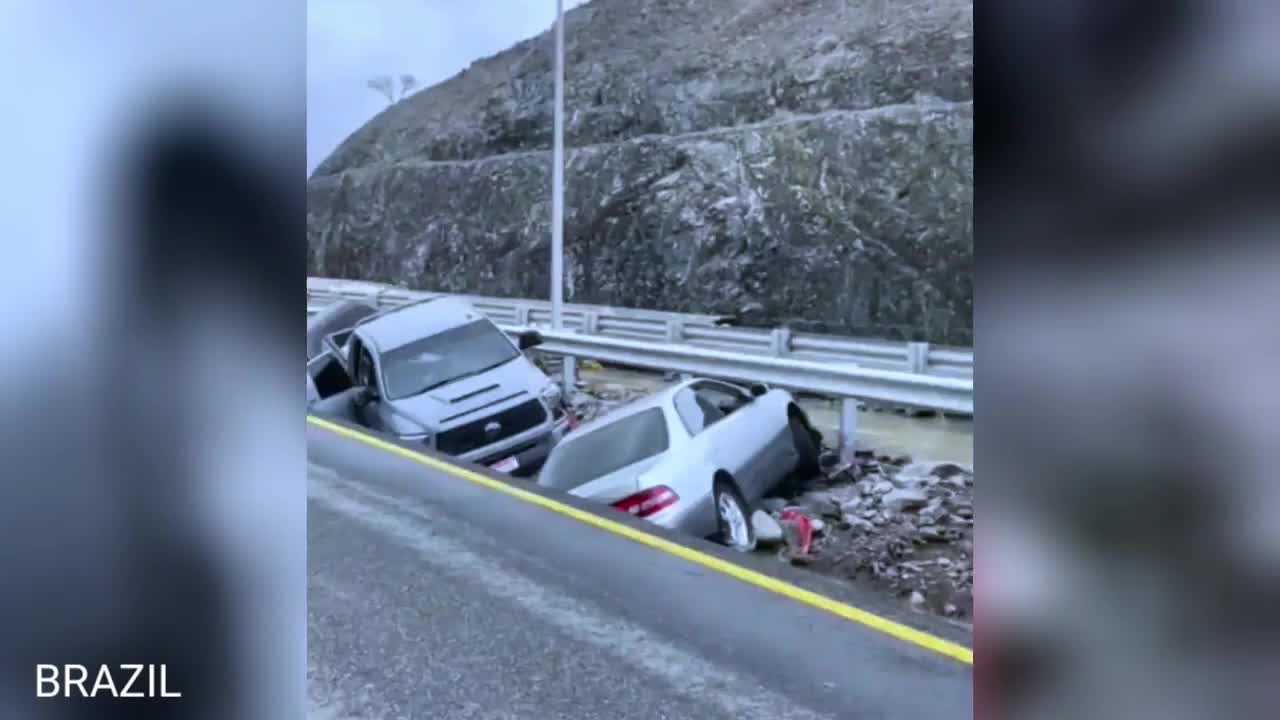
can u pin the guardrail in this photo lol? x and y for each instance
(844, 381)
(668, 328)
(851, 382)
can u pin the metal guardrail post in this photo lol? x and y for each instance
(675, 330)
(917, 357)
(848, 429)
(522, 315)
(590, 323)
(780, 341)
(568, 373)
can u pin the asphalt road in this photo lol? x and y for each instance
(433, 597)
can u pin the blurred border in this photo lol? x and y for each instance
(153, 505)
(1127, 329)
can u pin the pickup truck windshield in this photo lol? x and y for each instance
(445, 357)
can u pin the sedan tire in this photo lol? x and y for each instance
(733, 516)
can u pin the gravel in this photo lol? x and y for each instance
(905, 526)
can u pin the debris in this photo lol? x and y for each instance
(933, 512)
(943, 471)
(932, 533)
(818, 503)
(903, 499)
(773, 504)
(907, 526)
(857, 524)
(768, 531)
(800, 559)
(798, 530)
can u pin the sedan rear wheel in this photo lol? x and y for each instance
(733, 517)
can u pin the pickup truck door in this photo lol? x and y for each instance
(364, 371)
(328, 373)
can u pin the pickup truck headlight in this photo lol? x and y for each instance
(552, 396)
(551, 393)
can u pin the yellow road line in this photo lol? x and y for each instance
(752, 577)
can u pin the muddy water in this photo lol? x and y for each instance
(923, 438)
(935, 439)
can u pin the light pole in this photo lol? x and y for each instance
(557, 180)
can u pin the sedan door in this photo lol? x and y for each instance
(768, 420)
(718, 418)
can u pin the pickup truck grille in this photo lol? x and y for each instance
(515, 420)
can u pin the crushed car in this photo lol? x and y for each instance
(439, 374)
(694, 457)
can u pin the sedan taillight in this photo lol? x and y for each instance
(648, 502)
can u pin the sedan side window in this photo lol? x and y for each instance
(695, 411)
(724, 398)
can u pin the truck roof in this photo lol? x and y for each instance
(399, 326)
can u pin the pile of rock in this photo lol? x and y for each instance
(905, 524)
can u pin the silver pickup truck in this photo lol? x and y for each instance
(437, 373)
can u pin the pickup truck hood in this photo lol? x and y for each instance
(468, 399)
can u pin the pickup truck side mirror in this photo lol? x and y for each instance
(528, 339)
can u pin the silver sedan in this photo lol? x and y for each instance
(693, 457)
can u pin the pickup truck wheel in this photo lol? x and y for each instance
(733, 516)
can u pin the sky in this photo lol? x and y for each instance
(351, 41)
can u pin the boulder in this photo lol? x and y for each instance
(903, 499)
(768, 531)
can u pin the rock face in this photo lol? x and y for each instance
(810, 158)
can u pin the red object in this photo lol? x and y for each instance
(573, 420)
(802, 526)
(648, 502)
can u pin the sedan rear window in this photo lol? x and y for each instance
(599, 452)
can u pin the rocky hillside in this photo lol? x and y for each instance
(807, 158)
